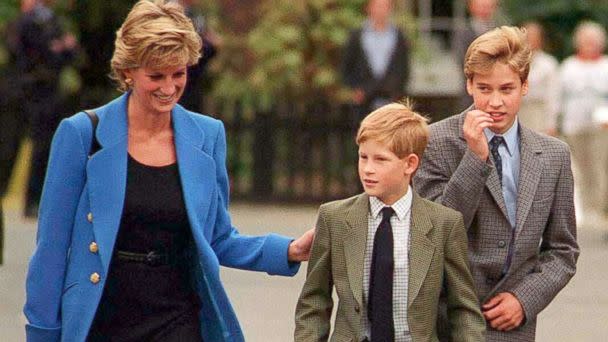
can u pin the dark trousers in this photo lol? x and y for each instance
(45, 119)
(39, 161)
(14, 127)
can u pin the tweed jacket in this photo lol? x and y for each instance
(437, 255)
(544, 247)
(82, 203)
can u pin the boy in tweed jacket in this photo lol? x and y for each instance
(427, 250)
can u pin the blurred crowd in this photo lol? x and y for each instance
(568, 100)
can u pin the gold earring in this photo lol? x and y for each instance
(129, 81)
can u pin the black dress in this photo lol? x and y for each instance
(144, 301)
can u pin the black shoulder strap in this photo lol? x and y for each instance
(94, 121)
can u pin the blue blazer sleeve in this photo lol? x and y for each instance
(62, 189)
(261, 253)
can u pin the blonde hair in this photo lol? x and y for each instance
(155, 34)
(397, 126)
(505, 44)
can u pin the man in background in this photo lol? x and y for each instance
(375, 63)
(43, 49)
(584, 91)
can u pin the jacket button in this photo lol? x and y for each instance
(502, 244)
(93, 247)
(95, 278)
(357, 309)
(90, 217)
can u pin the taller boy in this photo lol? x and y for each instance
(388, 252)
(512, 185)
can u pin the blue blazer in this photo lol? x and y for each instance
(82, 203)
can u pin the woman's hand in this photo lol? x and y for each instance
(299, 249)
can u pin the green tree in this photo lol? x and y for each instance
(292, 53)
(9, 9)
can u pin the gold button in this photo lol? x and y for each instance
(95, 278)
(90, 217)
(93, 247)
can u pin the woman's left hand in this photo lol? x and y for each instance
(299, 250)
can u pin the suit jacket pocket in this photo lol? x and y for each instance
(540, 211)
(545, 201)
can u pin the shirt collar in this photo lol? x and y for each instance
(511, 137)
(401, 207)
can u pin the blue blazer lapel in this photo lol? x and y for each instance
(107, 176)
(197, 171)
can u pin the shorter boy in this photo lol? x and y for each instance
(388, 252)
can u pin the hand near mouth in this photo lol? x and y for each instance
(474, 123)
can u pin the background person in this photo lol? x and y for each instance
(375, 61)
(539, 108)
(43, 50)
(584, 89)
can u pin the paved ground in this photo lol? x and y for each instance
(265, 304)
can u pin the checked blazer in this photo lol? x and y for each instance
(437, 258)
(544, 247)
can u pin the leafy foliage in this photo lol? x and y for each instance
(293, 52)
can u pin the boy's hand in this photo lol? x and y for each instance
(299, 250)
(474, 123)
(503, 311)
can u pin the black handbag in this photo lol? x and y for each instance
(94, 121)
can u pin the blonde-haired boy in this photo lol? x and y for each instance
(387, 252)
(512, 185)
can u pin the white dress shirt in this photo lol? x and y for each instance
(400, 222)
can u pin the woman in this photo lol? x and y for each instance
(130, 241)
